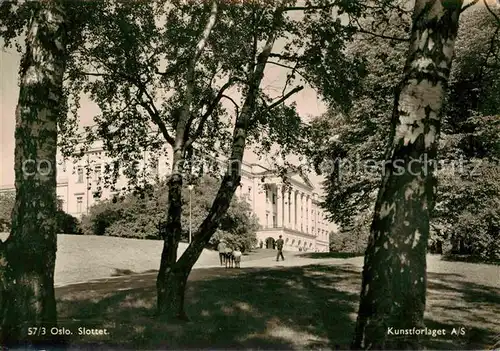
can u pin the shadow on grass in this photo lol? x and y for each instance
(311, 307)
(322, 255)
(124, 272)
(246, 308)
(454, 303)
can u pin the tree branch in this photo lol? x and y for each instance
(169, 71)
(492, 12)
(153, 111)
(182, 127)
(383, 36)
(469, 5)
(284, 97)
(234, 103)
(290, 77)
(284, 57)
(280, 64)
(308, 8)
(95, 74)
(209, 111)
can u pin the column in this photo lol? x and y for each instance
(297, 213)
(301, 210)
(258, 201)
(292, 208)
(286, 208)
(285, 204)
(279, 206)
(315, 220)
(309, 213)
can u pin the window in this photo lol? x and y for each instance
(267, 196)
(249, 190)
(274, 198)
(97, 172)
(79, 175)
(274, 222)
(267, 220)
(79, 204)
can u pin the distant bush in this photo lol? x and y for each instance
(67, 224)
(137, 215)
(127, 217)
(349, 241)
(6, 206)
(353, 239)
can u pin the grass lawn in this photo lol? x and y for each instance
(309, 301)
(82, 258)
(308, 307)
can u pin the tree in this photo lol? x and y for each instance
(162, 71)
(394, 274)
(137, 215)
(28, 255)
(353, 177)
(349, 159)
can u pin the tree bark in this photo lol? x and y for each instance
(394, 274)
(170, 278)
(171, 231)
(28, 256)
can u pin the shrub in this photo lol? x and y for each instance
(65, 223)
(138, 215)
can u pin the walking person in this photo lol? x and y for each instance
(222, 252)
(279, 245)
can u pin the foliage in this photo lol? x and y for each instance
(65, 223)
(140, 94)
(137, 215)
(350, 158)
(353, 239)
(6, 205)
(467, 138)
(159, 73)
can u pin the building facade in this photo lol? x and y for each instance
(289, 208)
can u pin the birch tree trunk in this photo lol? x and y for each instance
(180, 271)
(170, 283)
(394, 274)
(232, 176)
(28, 256)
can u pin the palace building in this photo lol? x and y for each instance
(291, 210)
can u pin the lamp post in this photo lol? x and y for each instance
(190, 187)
